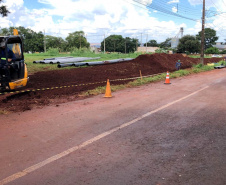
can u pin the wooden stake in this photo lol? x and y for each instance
(141, 75)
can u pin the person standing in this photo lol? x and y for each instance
(178, 65)
(4, 64)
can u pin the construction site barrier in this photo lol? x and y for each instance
(68, 86)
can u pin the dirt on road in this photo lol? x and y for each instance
(93, 76)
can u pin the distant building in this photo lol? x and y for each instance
(220, 46)
(147, 49)
(175, 40)
(95, 47)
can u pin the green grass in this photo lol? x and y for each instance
(101, 90)
(183, 72)
(32, 68)
(198, 56)
(147, 80)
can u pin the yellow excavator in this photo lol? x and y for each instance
(13, 73)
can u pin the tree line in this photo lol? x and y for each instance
(37, 42)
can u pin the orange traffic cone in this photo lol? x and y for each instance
(167, 78)
(108, 90)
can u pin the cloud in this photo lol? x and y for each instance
(59, 18)
(210, 3)
(174, 9)
(146, 2)
(194, 2)
(173, 1)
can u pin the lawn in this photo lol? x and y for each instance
(32, 68)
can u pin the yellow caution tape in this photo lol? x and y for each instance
(52, 88)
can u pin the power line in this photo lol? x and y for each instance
(142, 6)
(215, 5)
(180, 8)
(158, 8)
(157, 12)
(223, 2)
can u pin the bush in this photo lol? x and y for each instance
(198, 66)
(212, 50)
(53, 51)
(222, 63)
(187, 52)
(76, 51)
(160, 50)
(223, 52)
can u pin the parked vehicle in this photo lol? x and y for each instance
(17, 74)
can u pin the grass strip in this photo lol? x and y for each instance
(146, 80)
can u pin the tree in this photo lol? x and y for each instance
(223, 52)
(188, 43)
(131, 45)
(77, 39)
(166, 43)
(152, 43)
(55, 42)
(5, 31)
(113, 43)
(210, 37)
(116, 43)
(33, 41)
(3, 10)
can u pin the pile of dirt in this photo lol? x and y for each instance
(148, 64)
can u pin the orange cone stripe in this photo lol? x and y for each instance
(167, 81)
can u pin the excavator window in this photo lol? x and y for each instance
(16, 48)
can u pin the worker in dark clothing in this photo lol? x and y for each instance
(4, 65)
(178, 65)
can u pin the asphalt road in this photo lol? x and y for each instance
(154, 134)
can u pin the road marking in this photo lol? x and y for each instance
(88, 142)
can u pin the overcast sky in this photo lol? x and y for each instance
(142, 19)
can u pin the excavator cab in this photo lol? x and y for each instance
(16, 75)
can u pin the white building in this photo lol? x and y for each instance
(220, 46)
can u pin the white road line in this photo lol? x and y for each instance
(86, 143)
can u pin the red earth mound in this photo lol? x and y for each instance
(148, 64)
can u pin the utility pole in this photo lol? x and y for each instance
(44, 42)
(136, 44)
(80, 40)
(125, 46)
(146, 43)
(203, 34)
(104, 43)
(141, 41)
